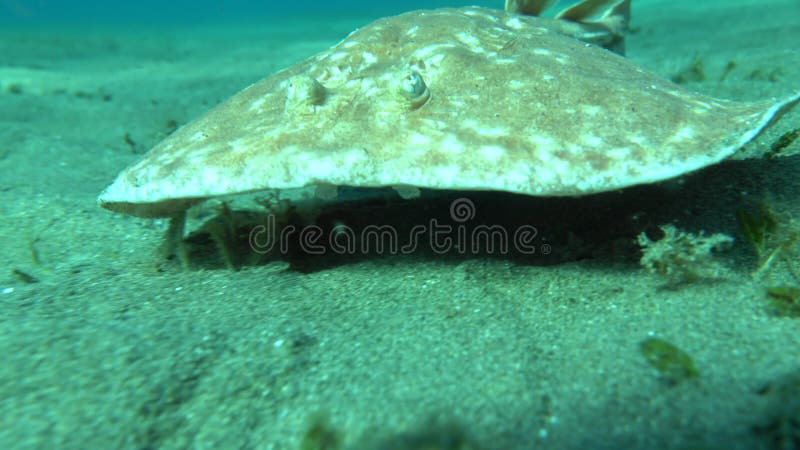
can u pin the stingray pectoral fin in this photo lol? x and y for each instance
(602, 22)
(528, 7)
(771, 115)
(783, 107)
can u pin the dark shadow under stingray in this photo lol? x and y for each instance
(452, 226)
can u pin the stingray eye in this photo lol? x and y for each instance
(414, 89)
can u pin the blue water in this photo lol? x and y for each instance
(187, 11)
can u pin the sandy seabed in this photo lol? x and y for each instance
(106, 345)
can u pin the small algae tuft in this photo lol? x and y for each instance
(756, 225)
(774, 237)
(728, 69)
(25, 277)
(783, 142)
(784, 301)
(695, 72)
(320, 435)
(673, 364)
(443, 436)
(682, 257)
(765, 74)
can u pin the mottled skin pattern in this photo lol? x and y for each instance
(464, 98)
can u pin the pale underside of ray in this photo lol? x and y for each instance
(464, 98)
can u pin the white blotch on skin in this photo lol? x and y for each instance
(372, 91)
(334, 74)
(434, 52)
(541, 142)
(210, 176)
(419, 140)
(557, 166)
(358, 83)
(621, 153)
(492, 153)
(518, 177)
(542, 52)
(256, 105)
(446, 174)
(369, 58)
(451, 144)
(515, 23)
(484, 130)
(435, 59)
(199, 137)
(683, 134)
(592, 140)
(470, 41)
(238, 145)
(576, 149)
(591, 110)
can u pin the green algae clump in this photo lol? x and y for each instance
(784, 301)
(673, 364)
(682, 257)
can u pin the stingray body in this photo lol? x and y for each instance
(467, 98)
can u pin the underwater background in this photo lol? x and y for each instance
(185, 11)
(107, 341)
